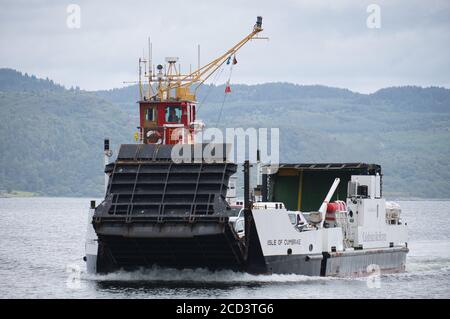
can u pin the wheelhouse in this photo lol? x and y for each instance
(166, 122)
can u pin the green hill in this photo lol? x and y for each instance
(51, 137)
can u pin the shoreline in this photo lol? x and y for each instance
(37, 195)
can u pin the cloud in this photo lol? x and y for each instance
(320, 42)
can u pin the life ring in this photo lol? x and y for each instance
(154, 137)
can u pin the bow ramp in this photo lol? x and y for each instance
(158, 212)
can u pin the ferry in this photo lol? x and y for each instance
(317, 219)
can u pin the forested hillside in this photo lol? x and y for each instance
(51, 137)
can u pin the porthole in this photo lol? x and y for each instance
(310, 247)
(289, 251)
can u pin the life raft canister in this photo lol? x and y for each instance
(333, 207)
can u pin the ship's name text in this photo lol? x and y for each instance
(283, 242)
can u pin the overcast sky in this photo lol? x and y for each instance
(311, 42)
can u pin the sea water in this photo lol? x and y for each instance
(42, 246)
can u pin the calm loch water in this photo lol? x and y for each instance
(42, 245)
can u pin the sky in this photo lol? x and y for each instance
(327, 42)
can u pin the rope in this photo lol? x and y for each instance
(221, 108)
(213, 83)
(225, 93)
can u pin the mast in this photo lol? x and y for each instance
(149, 89)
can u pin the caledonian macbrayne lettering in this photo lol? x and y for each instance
(377, 236)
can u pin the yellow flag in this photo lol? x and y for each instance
(136, 136)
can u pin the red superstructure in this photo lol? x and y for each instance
(167, 122)
(167, 110)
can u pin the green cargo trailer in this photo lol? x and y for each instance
(304, 186)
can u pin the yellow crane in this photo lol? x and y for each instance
(172, 85)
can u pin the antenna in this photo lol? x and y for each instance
(198, 55)
(145, 63)
(149, 67)
(149, 50)
(140, 80)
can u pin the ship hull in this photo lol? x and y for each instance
(365, 262)
(213, 253)
(343, 264)
(294, 264)
(313, 253)
(91, 263)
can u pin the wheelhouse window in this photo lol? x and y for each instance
(150, 114)
(173, 114)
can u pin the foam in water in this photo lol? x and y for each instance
(199, 275)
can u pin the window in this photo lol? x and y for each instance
(173, 114)
(150, 114)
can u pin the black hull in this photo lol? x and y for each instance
(214, 252)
